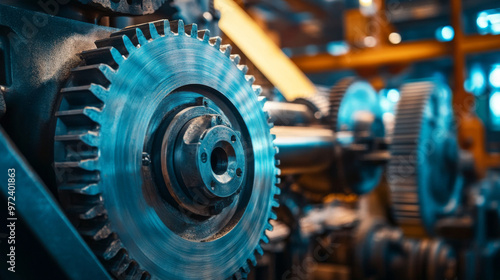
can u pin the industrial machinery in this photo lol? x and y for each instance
(135, 145)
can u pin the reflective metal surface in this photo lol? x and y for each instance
(174, 164)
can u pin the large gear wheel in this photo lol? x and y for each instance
(130, 7)
(164, 156)
(355, 116)
(423, 171)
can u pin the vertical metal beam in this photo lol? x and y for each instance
(37, 207)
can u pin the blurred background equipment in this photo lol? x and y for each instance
(251, 139)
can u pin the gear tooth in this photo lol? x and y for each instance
(87, 164)
(262, 100)
(226, 49)
(120, 264)
(278, 181)
(268, 118)
(257, 89)
(153, 31)
(273, 136)
(97, 232)
(166, 27)
(86, 189)
(250, 79)
(99, 91)
(215, 41)
(253, 260)
(277, 190)
(269, 227)
(108, 55)
(76, 118)
(204, 34)
(259, 250)
(114, 41)
(90, 138)
(270, 124)
(235, 58)
(81, 96)
(140, 37)
(275, 203)
(91, 212)
(107, 71)
(101, 74)
(276, 150)
(278, 172)
(265, 239)
(273, 216)
(243, 68)
(194, 30)
(112, 249)
(93, 113)
(128, 44)
(277, 162)
(245, 268)
(180, 27)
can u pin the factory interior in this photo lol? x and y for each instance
(250, 139)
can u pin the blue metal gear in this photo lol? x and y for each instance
(423, 172)
(351, 100)
(110, 161)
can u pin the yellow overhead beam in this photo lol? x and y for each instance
(264, 54)
(394, 54)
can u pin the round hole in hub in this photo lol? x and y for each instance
(218, 160)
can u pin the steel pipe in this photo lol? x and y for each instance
(304, 149)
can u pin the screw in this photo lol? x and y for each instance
(146, 159)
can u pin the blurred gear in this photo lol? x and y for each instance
(317, 103)
(201, 12)
(382, 252)
(423, 170)
(356, 118)
(163, 152)
(131, 7)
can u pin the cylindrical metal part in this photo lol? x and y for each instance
(289, 114)
(304, 149)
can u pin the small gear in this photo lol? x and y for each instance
(423, 171)
(355, 116)
(164, 156)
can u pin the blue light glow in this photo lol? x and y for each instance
(482, 20)
(476, 82)
(445, 33)
(393, 95)
(495, 76)
(495, 104)
(337, 48)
